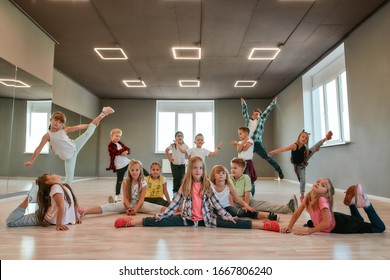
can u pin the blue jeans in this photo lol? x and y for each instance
(18, 219)
(259, 149)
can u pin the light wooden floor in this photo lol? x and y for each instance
(96, 237)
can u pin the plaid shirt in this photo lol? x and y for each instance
(113, 151)
(209, 203)
(258, 133)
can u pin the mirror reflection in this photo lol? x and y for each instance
(25, 104)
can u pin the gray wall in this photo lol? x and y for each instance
(137, 120)
(367, 158)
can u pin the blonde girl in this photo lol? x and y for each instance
(134, 190)
(300, 156)
(319, 204)
(177, 159)
(57, 206)
(199, 206)
(67, 149)
(223, 188)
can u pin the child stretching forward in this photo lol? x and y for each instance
(300, 156)
(157, 186)
(67, 149)
(319, 203)
(57, 206)
(224, 190)
(134, 190)
(199, 203)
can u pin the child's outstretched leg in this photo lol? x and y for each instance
(105, 112)
(301, 174)
(355, 198)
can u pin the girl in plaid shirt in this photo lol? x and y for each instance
(200, 206)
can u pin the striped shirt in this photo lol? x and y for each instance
(258, 133)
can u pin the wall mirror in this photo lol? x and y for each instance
(22, 96)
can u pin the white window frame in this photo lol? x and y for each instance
(317, 112)
(186, 108)
(36, 129)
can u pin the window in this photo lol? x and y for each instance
(190, 117)
(37, 123)
(326, 99)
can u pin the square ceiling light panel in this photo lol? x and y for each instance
(247, 83)
(14, 83)
(263, 53)
(187, 52)
(111, 53)
(189, 83)
(134, 83)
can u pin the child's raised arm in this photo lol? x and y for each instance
(219, 146)
(291, 147)
(45, 139)
(180, 148)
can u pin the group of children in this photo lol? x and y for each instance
(218, 200)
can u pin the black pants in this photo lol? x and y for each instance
(120, 173)
(177, 173)
(355, 223)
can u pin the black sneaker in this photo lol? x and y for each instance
(272, 216)
(281, 175)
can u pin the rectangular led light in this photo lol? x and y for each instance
(263, 53)
(111, 53)
(14, 83)
(189, 83)
(187, 52)
(134, 83)
(247, 83)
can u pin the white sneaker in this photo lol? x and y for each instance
(118, 198)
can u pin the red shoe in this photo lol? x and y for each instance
(329, 135)
(123, 222)
(271, 226)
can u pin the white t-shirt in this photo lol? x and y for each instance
(135, 192)
(61, 144)
(252, 124)
(177, 155)
(69, 216)
(120, 161)
(200, 152)
(248, 154)
(222, 196)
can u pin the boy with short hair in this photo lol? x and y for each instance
(242, 186)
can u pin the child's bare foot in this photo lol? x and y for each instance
(329, 135)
